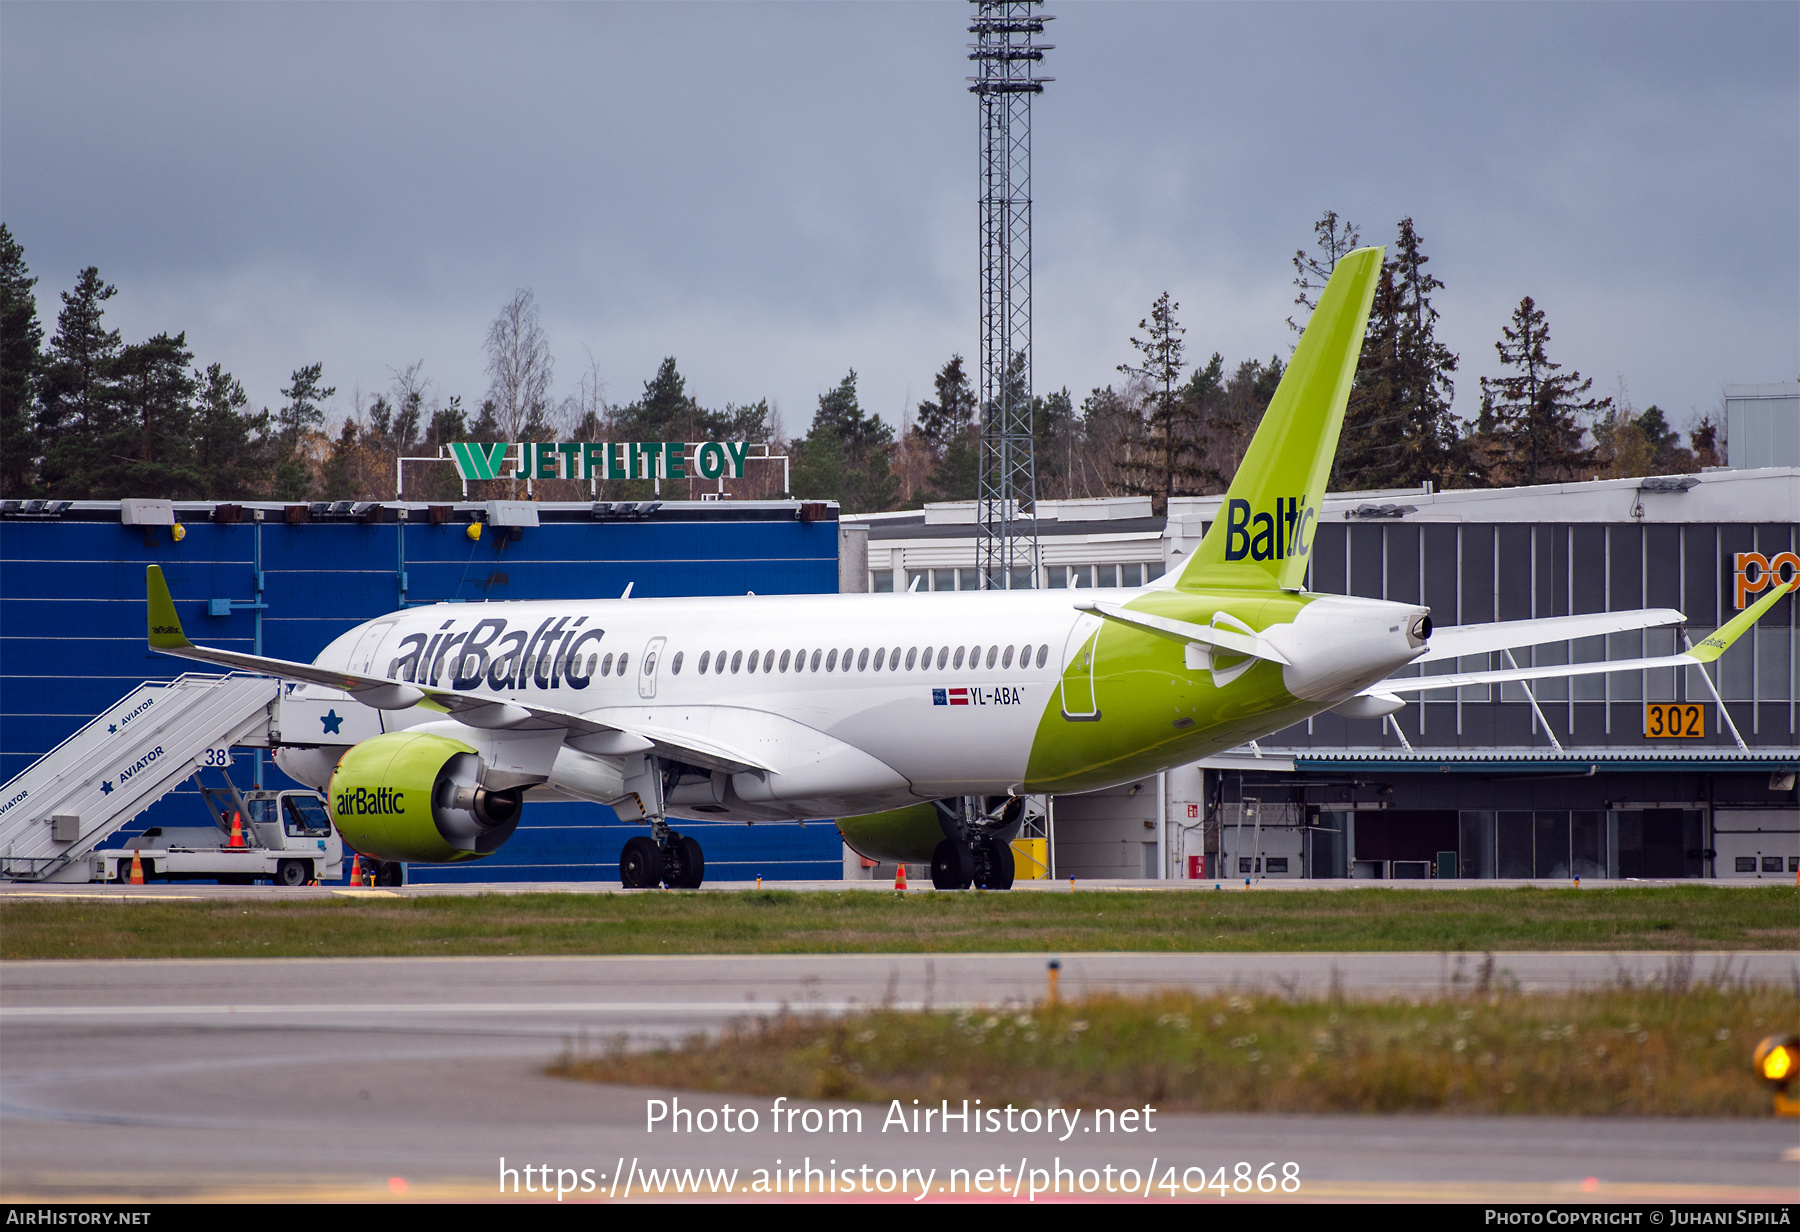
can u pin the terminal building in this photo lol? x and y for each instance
(1586, 777)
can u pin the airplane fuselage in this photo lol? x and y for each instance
(860, 703)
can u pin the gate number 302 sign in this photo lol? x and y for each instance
(1671, 719)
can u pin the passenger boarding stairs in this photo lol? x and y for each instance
(80, 793)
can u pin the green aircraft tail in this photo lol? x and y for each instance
(1263, 536)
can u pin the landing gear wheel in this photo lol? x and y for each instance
(640, 863)
(997, 864)
(290, 872)
(390, 873)
(689, 862)
(952, 866)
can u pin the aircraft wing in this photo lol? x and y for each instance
(1458, 640)
(476, 709)
(1709, 649)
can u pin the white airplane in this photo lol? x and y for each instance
(917, 722)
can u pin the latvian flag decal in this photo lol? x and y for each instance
(949, 697)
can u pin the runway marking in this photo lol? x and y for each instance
(122, 897)
(366, 894)
(475, 1007)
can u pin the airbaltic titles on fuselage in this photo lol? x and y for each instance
(496, 656)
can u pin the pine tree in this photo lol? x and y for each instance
(1334, 237)
(846, 454)
(232, 450)
(153, 454)
(305, 409)
(1533, 416)
(21, 359)
(78, 414)
(1172, 459)
(946, 425)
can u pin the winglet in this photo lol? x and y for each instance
(1720, 640)
(165, 625)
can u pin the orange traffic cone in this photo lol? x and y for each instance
(355, 869)
(899, 876)
(137, 867)
(236, 842)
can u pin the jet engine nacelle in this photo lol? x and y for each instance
(418, 796)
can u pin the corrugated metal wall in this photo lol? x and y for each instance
(1475, 572)
(72, 638)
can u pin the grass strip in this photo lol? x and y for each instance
(1611, 1052)
(785, 922)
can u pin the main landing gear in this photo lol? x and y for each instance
(677, 862)
(661, 857)
(977, 846)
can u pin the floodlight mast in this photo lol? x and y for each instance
(1005, 54)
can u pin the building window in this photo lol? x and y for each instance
(1059, 577)
(943, 579)
(1131, 575)
(918, 579)
(970, 578)
(881, 581)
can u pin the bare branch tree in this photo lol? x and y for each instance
(519, 367)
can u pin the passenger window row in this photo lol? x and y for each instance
(863, 659)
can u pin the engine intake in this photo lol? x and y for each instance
(417, 796)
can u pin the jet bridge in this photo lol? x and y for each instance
(144, 746)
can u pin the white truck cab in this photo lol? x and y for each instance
(287, 835)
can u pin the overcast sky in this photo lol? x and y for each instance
(778, 193)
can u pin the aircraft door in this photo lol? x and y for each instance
(365, 656)
(1079, 652)
(649, 667)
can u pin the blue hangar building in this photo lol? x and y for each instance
(285, 579)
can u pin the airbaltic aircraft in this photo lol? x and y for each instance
(919, 722)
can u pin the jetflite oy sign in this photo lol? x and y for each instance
(601, 459)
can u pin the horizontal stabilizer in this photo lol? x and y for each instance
(1254, 645)
(1710, 648)
(1457, 641)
